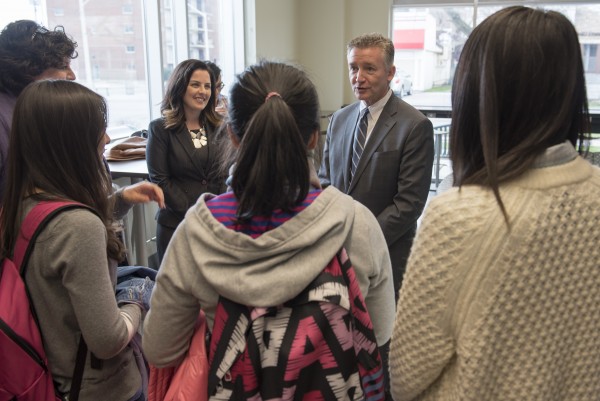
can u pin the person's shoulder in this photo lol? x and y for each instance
(346, 110)
(456, 205)
(334, 194)
(405, 109)
(81, 221)
(80, 216)
(347, 202)
(333, 197)
(157, 128)
(157, 123)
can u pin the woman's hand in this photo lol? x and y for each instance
(144, 192)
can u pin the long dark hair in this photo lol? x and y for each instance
(172, 104)
(519, 88)
(271, 167)
(57, 129)
(27, 49)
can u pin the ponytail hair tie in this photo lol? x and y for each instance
(271, 94)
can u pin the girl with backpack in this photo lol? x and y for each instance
(259, 252)
(57, 143)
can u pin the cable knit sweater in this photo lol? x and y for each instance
(486, 313)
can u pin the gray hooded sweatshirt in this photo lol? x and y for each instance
(205, 259)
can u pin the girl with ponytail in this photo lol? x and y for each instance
(263, 242)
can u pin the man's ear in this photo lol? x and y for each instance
(234, 139)
(391, 74)
(313, 142)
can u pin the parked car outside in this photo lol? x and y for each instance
(401, 84)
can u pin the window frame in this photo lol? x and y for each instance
(432, 111)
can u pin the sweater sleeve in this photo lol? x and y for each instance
(121, 206)
(78, 247)
(169, 324)
(422, 344)
(369, 255)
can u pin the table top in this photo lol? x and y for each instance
(126, 168)
(129, 168)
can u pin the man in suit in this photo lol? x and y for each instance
(389, 168)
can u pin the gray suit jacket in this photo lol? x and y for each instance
(393, 176)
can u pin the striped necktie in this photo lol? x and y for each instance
(360, 137)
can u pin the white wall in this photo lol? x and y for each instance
(321, 49)
(364, 17)
(314, 34)
(276, 22)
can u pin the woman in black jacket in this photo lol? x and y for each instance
(182, 151)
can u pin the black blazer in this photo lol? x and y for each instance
(181, 170)
(393, 176)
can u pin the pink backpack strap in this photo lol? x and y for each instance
(33, 224)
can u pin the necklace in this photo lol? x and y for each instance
(199, 137)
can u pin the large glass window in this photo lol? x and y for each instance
(429, 39)
(213, 29)
(128, 48)
(109, 62)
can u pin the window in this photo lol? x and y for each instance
(131, 71)
(429, 38)
(199, 30)
(589, 57)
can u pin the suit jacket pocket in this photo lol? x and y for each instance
(383, 167)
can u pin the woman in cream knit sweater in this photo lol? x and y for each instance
(501, 297)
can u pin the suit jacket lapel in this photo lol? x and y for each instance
(347, 145)
(185, 142)
(213, 145)
(380, 131)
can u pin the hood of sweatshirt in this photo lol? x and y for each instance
(277, 265)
